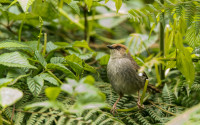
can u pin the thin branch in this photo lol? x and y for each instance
(162, 109)
(13, 113)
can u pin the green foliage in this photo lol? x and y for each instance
(61, 78)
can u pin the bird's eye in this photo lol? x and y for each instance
(118, 47)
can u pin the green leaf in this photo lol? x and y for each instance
(62, 68)
(51, 47)
(35, 84)
(58, 60)
(104, 60)
(185, 65)
(67, 88)
(15, 59)
(25, 4)
(12, 45)
(40, 58)
(118, 4)
(88, 97)
(74, 6)
(49, 78)
(89, 3)
(75, 63)
(52, 92)
(68, 1)
(167, 95)
(106, 1)
(47, 104)
(9, 96)
(88, 79)
(184, 60)
(89, 68)
(5, 81)
(82, 43)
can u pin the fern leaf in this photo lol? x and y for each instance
(19, 118)
(167, 95)
(61, 120)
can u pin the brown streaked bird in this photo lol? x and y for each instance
(122, 72)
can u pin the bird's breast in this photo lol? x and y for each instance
(123, 77)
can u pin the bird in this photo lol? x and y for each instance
(122, 72)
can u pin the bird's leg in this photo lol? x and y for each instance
(138, 102)
(114, 109)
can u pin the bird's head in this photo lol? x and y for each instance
(118, 51)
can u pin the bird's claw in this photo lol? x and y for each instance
(139, 105)
(114, 110)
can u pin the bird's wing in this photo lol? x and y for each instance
(137, 67)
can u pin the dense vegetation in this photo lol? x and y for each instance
(53, 60)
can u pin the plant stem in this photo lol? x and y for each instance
(55, 77)
(157, 76)
(45, 44)
(162, 71)
(40, 34)
(144, 91)
(62, 12)
(86, 23)
(20, 29)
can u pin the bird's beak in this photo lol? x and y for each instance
(110, 46)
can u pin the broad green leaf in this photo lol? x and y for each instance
(118, 4)
(35, 84)
(185, 65)
(106, 1)
(9, 96)
(75, 63)
(51, 47)
(49, 78)
(62, 68)
(88, 79)
(88, 97)
(82, 43)
(5, 81)
(25, 4)
(104, 60)
(68, 1)
(68, 88)
(74, 6)
(89, 4)
(52, 92)
(89, 68)
(12, 45)
(40, 58)
(184, 60)
(58, 60)
(15, 59)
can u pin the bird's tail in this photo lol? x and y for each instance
(152, 87)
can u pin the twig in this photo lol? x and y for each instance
(62, 12)
(162, 109)
(13, 112)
